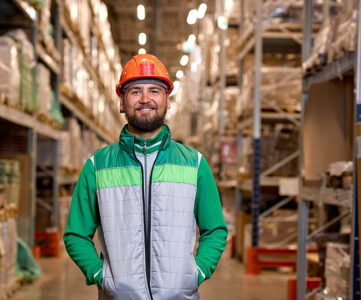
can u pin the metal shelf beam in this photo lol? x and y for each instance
(25, 120)
(335, 70)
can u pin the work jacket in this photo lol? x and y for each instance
(147, 230)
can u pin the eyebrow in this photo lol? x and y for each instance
(140, 88)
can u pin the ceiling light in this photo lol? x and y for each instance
(142, 51)
(141, 12)
(184, 60)
(191, 39)
(192, 17)
(176, 85)
(142, 39)
(194, 67)
(179, 74)
(201, 10)
(222, 23)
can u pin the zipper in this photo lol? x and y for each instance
(147, 236)
(146, 239)
(149, 209)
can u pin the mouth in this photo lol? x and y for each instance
(145, 109)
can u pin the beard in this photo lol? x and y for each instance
(145, 123)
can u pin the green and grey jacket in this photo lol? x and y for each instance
(147, 231)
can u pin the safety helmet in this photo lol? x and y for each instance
(144, 66)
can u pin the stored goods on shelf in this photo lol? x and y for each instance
(43, 90)
(337, 270)
(10, 181)
(281, 86)
(8, 254)
(9, 71)
(28, 96)
(336, 38)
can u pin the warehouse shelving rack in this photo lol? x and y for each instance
(320, 196)
(27, 17)
(261, 36)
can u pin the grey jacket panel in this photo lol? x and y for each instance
(121, 215)
(174, 273)
(173, 268)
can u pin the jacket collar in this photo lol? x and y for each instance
(131, 143)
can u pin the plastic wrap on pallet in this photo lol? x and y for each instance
(43, 90)
(337, 270)
(76, 143)
(84, 23)
(65, 156)
(9, 71)
(28, 95)
(10, 183)
(336, 38)
(67, 64)
(8, 254)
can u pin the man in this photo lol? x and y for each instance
(145, 195)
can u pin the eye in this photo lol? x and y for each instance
(135, 92)
(154, 92)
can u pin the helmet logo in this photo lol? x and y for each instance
(146, 69)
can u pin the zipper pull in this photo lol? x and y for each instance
(145, 146)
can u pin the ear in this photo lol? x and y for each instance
(168, 103)
(121, 103)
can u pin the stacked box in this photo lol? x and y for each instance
(337, 270)
(43, 90)
(9, 70)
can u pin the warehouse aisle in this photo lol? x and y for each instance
(61, 280)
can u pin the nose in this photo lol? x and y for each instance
(145, 97)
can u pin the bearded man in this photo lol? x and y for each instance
(146, 195)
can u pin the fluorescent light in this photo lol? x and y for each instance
(142, 39)
(103, 13)
(192, 17)
(141, 12)
(111, 52)
(176, 85)
(222, 23)
(201, 10)
(184, 60)
(179, 74)
(142, 51)
(194, 67)
(191, 39)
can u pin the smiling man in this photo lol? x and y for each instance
(145, 195)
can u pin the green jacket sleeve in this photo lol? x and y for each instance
(212, 228)
(82, 224)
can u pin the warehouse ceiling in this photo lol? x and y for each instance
(164, 24)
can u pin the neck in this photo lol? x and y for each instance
(144, 134)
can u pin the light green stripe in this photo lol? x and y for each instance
(118, 177)
(175, 173)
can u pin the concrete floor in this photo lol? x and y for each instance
(61, 280)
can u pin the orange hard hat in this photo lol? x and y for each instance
(144, 66)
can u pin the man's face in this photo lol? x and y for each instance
(145, 106)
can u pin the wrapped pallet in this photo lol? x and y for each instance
(8, 254)
(67, 64)
(337, 270)
(28, 96)
(43, 90)
(9, 71)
